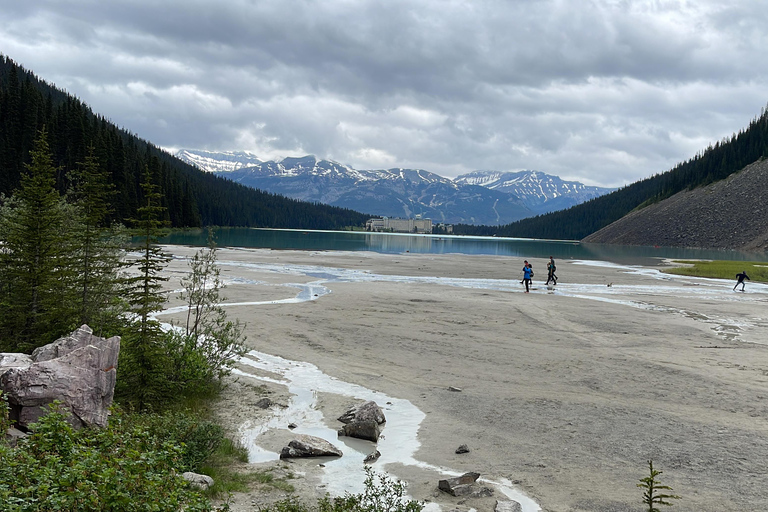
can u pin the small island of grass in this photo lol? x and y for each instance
(756, 270)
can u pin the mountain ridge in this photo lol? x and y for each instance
(405, 192)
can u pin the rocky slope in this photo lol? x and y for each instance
(728, 214)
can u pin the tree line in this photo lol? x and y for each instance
(715, 163)
(189, 196)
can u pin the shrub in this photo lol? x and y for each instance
(124, 467)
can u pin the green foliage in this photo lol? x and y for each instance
(98, 246)
(5, 422)
(142, 378)
(381, 494)
(197, 439)
(207, 331)
(125, 467)
(757, 271)
(653, 490)
(712, 164)
(192, 197)
(36, 263)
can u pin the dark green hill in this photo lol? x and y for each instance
(713, 164)
(192, 197)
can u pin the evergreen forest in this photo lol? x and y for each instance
(190, 196)
(708, 166)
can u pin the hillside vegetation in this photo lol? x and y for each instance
(713, 164)
(191, 197)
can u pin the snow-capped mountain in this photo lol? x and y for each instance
(540, 192)
(392, 192)
(218, 161)
(479, 197)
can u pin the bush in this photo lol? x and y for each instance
(196, 439)
(381, 494)
(124, 467)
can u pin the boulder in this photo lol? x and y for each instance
(78, 370)
(367, 411)
(507, 506)
(264, 403)
(462, 449)
(309, 446)
(368, 430)
(460, 485)
(202, 482)
(372, 457)
(13, 436)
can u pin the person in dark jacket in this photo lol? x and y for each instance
(551, 271)
(741, 277)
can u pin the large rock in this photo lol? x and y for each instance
(460, 485)
(309, 446)
(508, 506)
(368, 430)
(78, 370)
(368, 411)
(202, 482)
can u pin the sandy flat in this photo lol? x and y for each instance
(565, 392)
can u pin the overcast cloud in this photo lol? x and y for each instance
(604, 92)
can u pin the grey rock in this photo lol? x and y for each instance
(362, 430)
(455, 389)
(460, 485)
(507, 506)
(78, 370)
(483, 492)
(462, 449)
(264, 403)
(372, 457)
(202, 482)
(13, 435)
(292, 426)
(363, 412)
(309, 446)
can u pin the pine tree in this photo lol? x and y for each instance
(651, 495)
(35, 263)
(141, 380)
(98, 248)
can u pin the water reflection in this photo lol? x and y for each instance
(434, 244)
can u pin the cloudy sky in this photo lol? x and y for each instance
(602, 91)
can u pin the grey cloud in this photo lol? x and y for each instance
(604, 91)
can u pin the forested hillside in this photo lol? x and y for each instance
(192, 197)
(713, 164)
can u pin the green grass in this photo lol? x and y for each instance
(756, 270)
(227, 480)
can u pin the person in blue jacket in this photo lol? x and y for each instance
(527, 274)
(741, 277)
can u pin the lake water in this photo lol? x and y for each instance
(396, 243)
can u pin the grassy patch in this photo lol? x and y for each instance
(756, 270)
(227, 479)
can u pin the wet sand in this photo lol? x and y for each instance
(567, 393)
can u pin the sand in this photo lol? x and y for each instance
(567, 392)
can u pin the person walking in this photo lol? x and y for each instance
(741, 277)
(551, 271)
(527, 275)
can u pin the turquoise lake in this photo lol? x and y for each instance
(396, 243)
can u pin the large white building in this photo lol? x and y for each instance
(399, 225)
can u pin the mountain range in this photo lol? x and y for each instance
(480, 197)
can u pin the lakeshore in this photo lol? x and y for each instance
(565, 393)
